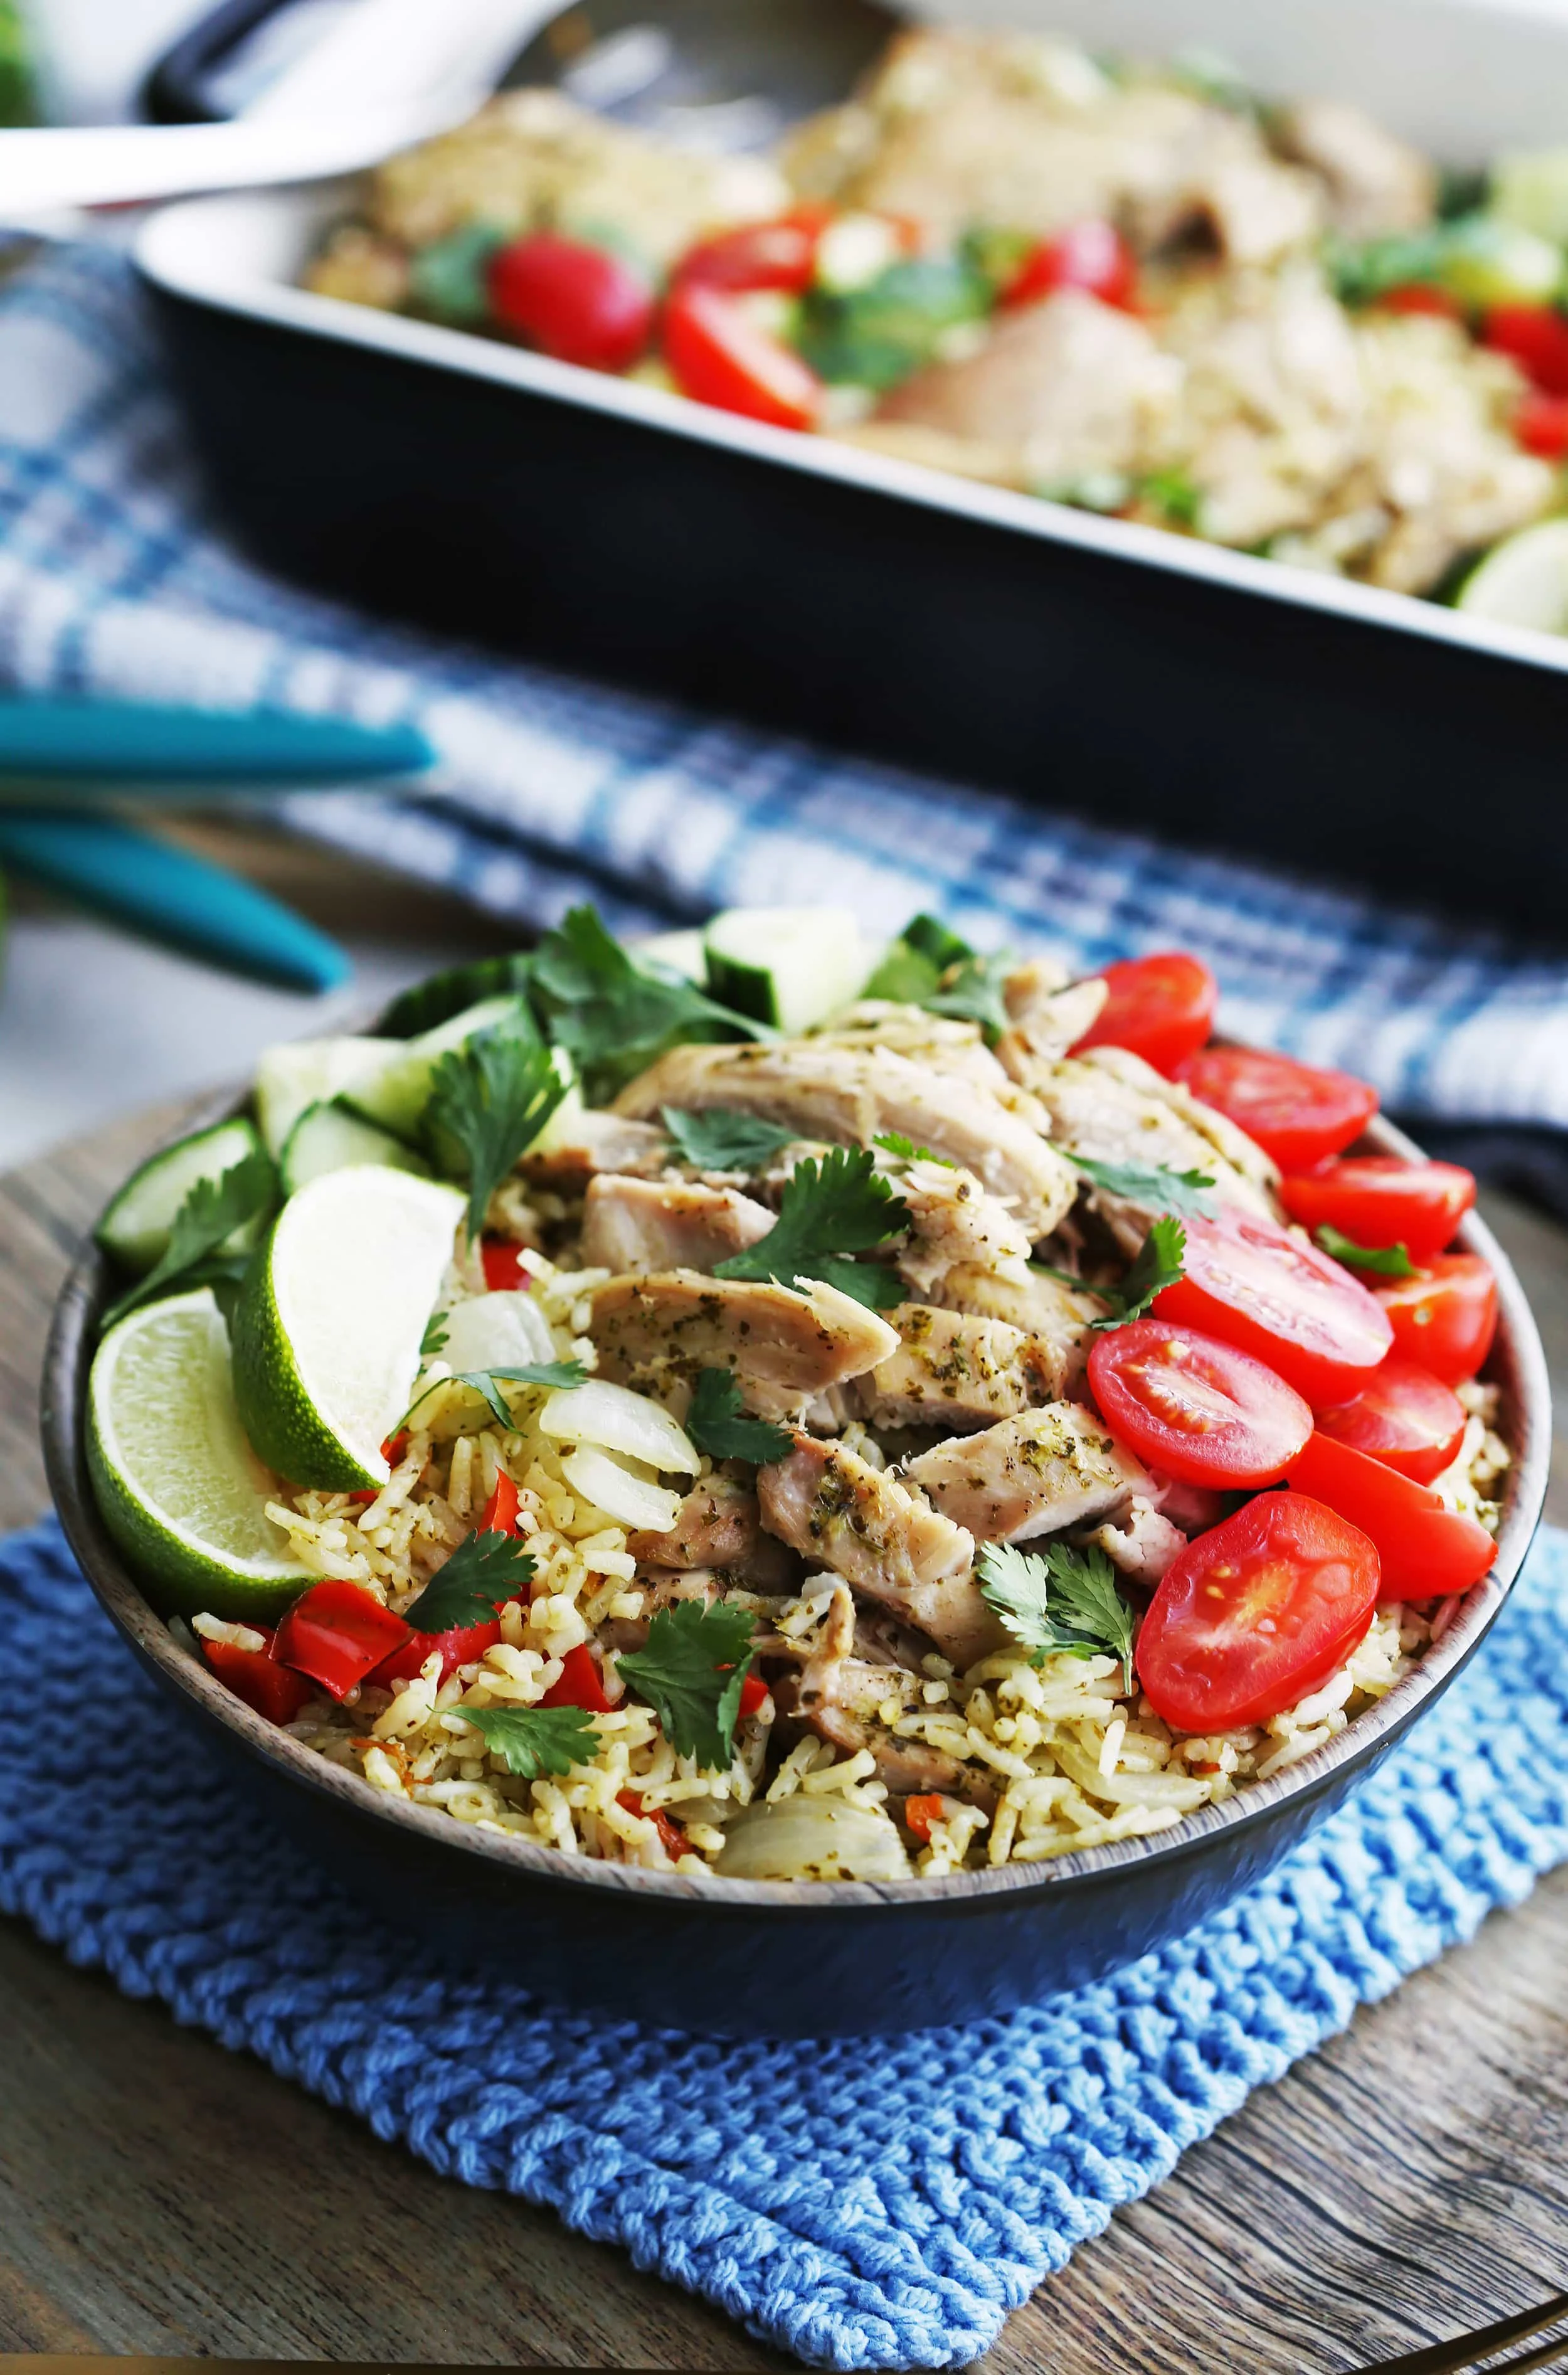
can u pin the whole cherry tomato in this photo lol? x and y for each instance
(1424, 1548)
(1300, 1114)
(1255, 1614)
(718, 354)
(1404, 1416)
(579, 303)
(1160, 1006)
(1090, 255)
(1446, 1316)
(1537, 337)
(1379, 1199)
(1250, 1282)
(1194, 1407)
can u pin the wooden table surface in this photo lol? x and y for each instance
(160, 2195)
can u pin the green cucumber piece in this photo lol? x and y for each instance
(331, 1137)
(135, 1223)
(425, 1005)
(303, 1072)
(680, 952)
(397, 1092)
(790, 967)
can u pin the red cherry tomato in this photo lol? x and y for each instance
(1404, 1416)
(336, 1634)
(499, 1515)
(579, 303)
(1446, 1316)
(1424, 1548)
(1298, 1113)
(1194, 1407)
(254, 1676)
(1380, 1201)
(464, 1646)
(780, 254)
(719, 355)
(1091, 256)
(1537, 337)
(581, 1683)
(505, 1264)
(1416, 297)
(1540, 425)
(671, 1835)
(1160, 1007)
(1257, 1614)
(1250, 1282)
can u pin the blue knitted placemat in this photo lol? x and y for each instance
(881, 2203)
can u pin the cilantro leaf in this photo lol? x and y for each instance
(483, 1382)
(483, 1572)
(904, 975)
(894, 1141)
(1157, 1265)
(1171, 1191)
(1174, 494)
(435, 1339)
(929, 965)
(691, 1674)
(875, 335)
(1387, 1261)
(972, 992)
(1061, 1603)
(535, 1740)
(718, 1425)
(211, 1212)
(615, 1017)
(721, 1140)
(833, 1206)
(492, 1097)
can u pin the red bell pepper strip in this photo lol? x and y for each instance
(581, 1683)
(920, 1813)
(672, 1836)
(499, 1515)
(337, 1633)
(753, 1694)
(503, 1264)
(464, 1646)
(252, 1676)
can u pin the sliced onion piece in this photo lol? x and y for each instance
(633, 1501)
(812, 1838)
(505, 1331)
(618, 1419)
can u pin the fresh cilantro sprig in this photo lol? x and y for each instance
(615, 1017)
(1169, 1191)
(492, 1097)
(487, 1382)
(691, 1674)
(1156, 1265)
(535, 1740)
(830, 1208)
(929, 965)
(719, 1424)
(435, 1339)
(895, 1141)
(483, 1573)
(1060, 1601)
(1386, 1261)
(211, 1212)
(720, 1139)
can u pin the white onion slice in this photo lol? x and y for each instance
(506, 1330)
(618, 1419)
(811, 1838)
(631, 1500)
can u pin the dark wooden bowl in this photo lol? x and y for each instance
(766, 1957)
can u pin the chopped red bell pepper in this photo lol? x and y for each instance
(392, 1451)
(499, 1515)
(502, 1263)
(753, 1693)
(337, 1633)
(252, 1676)
(920, 1813)
(1420, 297)
(464, 1646)
(581, 1683)
(670, 1832)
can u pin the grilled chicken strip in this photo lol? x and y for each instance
(1055, 1318)
(889, 1544)
(854, 1094)
(598, 1141)
(633, 1225)
(719, 1526)
(955, 1370)
(784, 1347)
(843, 1691)
(1047, 1013)
(1032, 1475)
(954, 1221)
(1143, 1544)
(1376, 185)
(941, 1042)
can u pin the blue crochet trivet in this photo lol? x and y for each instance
(863, 2205)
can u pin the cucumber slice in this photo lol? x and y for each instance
(428, 1004)
(331, 1137)
(565, 1125)
(396, 1092)
(1522, 582)
(135, 1223)
(791, 966)
(311, 1071)
(680, 952)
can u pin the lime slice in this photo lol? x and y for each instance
(327, 1332)
(1523, 581)
(179, 1487)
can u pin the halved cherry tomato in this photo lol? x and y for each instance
(920, 1813)
(1195, 1408)
(1446, 1316)
(1420, 297)
(506, 1264)
(1255, 1614)
(1540, 424)
(719, 355)
(581, 1683)
(336, 1634)
(671, 1835)
(779, 255)
(579, 303)
(1090, 255)
(1298, 1113)
(254, 1676)
(1250, 1282)
(1380, 1200)
(1424, 1547)
(1404, 1416)
(499, 1515)
(1160, 1006)
(1537, 337)
(753, 1694)
(464, 1646)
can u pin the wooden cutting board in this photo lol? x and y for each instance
(160, 2195)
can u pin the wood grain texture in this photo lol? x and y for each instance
(158, 2194)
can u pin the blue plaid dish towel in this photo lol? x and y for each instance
(862, 2204)
(114, 579)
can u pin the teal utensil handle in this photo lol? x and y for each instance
(171, 896)
(42, 738)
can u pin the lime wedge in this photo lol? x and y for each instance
(180, 1488)
(1524, 581)
(327, 1332)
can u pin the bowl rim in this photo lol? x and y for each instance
(1517, 1363)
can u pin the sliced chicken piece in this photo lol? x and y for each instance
(1377, 183)
(955, 1370)
(1143, 1544)
(1055, 1318)
(784, 1346)
(854, 1094)
(943, 1043)
(719, 1527)
(598, 1142)
(847, 1699)
(1227, 1139)
(1047, 1014)
(1032, 1475)
(1257, 209)
(953, 1220)
(634, 1225)
(889, 1544)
